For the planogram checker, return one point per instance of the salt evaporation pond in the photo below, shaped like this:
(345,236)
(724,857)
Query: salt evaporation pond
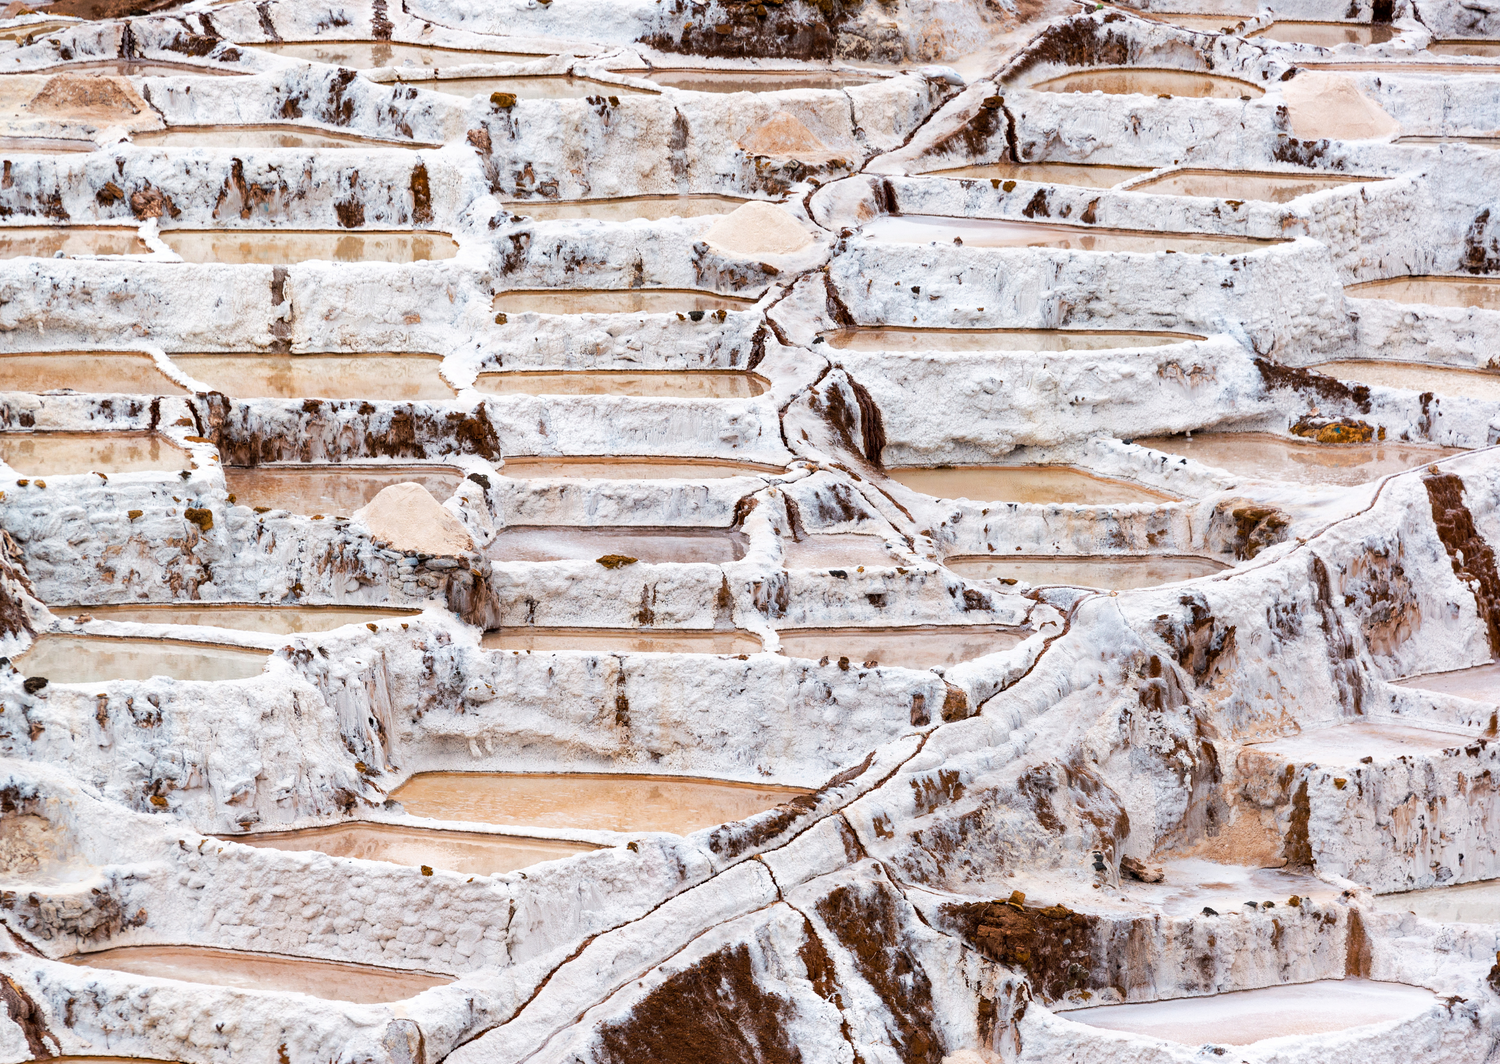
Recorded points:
(1433,291)
(330,490)
(660,384)
(592,802)
(123,372)
(619,546)
(1490,143)
(98,659)
(1055,484)
(908,648)
(759,80)
(1243,185)
(1191,884)
(537,639)
(1480,683)
(241,137)
(138,68)
(1414,377)
(1086,175)
(322,376)
(1325,34)
(1116,82)
(618,301)
(1112,572)
(272,620)
(46,146)
(364,984)
(540,87)
(1248,1016)
(276,247)
(47,454)
(904,339)
(1298,461)
(45,241)
(1466,903)
(625,208)
(465,852)
(1347,744)
(1012,233)
(1192,21)
(552,467)
(1481,49)
(373,55)
(839,550)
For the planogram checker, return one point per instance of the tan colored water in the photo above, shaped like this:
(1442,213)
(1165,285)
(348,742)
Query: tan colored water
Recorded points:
(663,384)
(44,145)
(836,550)
(1085,175)
(1152,83)
(759,80)
(1347,744)
(146,69)
(1481,683)
(466,852)
(595,802)
(909,648)
(1440,380)
(1011,233)
(273,247)
(632,640)
(617,301)
(1490,143)
(258,137)
(1250,1016)
(1023,484)
(1482,292)
(1448,69)
(1242,185)
(524,88)
(1326,34)
(372,55)
(45,241)
(124,372)
(551,543)
(361,376)
(329,980)
(1260,454)
(330,490)
(1482,49)
(899,338)
(50,454)
(602,468)
(1110,572)
(1467,903)
(1201,23)
(273,620)
(626,208)
(96,659)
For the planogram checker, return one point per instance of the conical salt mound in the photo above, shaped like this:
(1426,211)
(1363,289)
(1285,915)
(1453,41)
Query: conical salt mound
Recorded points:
(784,134)
(407,517)
(1328,105)
(757,228)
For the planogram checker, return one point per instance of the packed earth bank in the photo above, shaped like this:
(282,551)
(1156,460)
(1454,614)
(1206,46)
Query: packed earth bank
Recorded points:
(603,388)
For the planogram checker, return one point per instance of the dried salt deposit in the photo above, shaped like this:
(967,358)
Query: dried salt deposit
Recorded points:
(919,532)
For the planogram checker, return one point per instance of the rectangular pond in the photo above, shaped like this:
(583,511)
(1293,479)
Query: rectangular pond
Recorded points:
(535,639)
(1084,175)
(1482,292)
(900,338)
(1149,82)
(1481,683)
(607,468)
(393,378)
(682,301)
(760,80)
(1016,233)
(98,659)
(1463,903)
(535,87)
(330,490)
(908,648)
(625,208)
(616,548)
(108,372)
(1044,484)
(1109,572)
(48,241)
(1348,744)
(465,852)
(277,247)
(251,136)
(1413,377)
(46,454)
(1297,461)
(1240,185)
(838,551)
(656,384)
(374,55)
(245,617)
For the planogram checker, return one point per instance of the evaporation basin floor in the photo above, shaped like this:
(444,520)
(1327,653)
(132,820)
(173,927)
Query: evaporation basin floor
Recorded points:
(1044,484)
(98,659)
(1264,456)
(466,852)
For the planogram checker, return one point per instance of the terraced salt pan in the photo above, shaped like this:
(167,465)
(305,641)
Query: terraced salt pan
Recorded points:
(1481,683)
(1297,461)
(899,338)
(840,550)
(603,467)
(909,648)
(1107,571)
(143,69)
(759,80)
(1490,143)
(1482,49)
(330,980)
(274,247)
(593,802)
(1466,903)
(1152,83)
(1081,174)
(1243,185)
(1433,291)
(1025,484)
(1325,34)
(272,620)
(1411,376)
(549,87)
(44,145)
(97,659)
(44,242)
(1189,21)
(1189,885)
(329,490)
(50,454)
(1009,233)
(322,376)
(242,137)
(372,55)
(617,301)
(1347,744)
(625,546)
(631,640)
(663,384)
(465,852)
(125,372)
(1250,1016)
(626,208)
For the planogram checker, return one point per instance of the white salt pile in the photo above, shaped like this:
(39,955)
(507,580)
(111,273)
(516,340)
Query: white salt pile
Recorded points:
(407,517)
(1330,105)
(758,228)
